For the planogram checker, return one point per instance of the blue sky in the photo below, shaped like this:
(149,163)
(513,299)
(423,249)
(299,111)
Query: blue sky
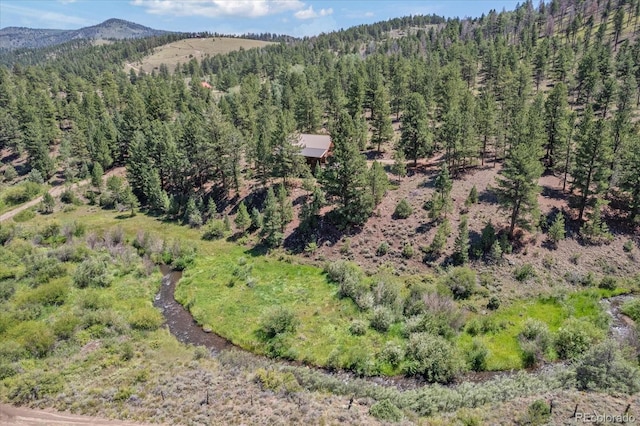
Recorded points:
(293,17)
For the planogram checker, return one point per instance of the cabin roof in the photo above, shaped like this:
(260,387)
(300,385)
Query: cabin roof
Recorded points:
(314,146)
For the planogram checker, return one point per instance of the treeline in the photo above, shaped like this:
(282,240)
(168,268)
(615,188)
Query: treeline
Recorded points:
(553,88)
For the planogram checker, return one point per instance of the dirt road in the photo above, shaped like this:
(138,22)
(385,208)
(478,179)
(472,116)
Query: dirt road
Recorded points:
(56,191)
(19,416)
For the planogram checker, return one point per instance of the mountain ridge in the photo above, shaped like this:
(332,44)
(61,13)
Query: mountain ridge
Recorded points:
(23,37)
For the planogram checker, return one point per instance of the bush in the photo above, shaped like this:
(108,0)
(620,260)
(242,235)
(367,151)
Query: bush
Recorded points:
(214,230)
(631,309)
(392,354)
(10,173)
(92,272)
(277,381)
(280,320)
(608,283)
(493,303)
(383,249)
(524,272)
(628,246)
(407,251)
(603,368)
(477,356)
(22,193)
(386,410)
(575,337)
(472,198)
(69,197)
(535,341)
(65,325)
(145,318)
(432,357)
(36,338)
(557,231)
(403,210)
(358,328)
(461,281)
(538,413)
(381,319)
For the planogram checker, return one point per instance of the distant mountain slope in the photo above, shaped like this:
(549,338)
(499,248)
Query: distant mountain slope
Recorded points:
(20,37)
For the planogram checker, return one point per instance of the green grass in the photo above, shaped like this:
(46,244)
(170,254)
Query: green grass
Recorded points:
(505,353)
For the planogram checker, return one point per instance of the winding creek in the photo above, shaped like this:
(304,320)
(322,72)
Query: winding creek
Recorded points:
(182,325)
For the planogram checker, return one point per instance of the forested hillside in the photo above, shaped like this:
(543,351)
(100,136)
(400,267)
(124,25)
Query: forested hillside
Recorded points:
(482,194)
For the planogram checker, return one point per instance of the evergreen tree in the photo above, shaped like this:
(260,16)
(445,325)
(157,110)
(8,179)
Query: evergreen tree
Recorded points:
(630,178)
(592,159)
(518,186)
(380,117)
(399,167)
(242,219)
(556,230)
(285,206)
(557,126)
(272,224)
(415,139)
(378,182)
(345,177)
(286,161)
(96,175)
(461,246)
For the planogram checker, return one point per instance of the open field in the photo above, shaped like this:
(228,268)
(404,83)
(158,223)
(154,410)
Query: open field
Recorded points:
(183,51)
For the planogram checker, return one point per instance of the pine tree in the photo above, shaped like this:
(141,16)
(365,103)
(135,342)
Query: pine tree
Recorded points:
(272,221)
(378,182)
(557,125)
(591,170)
(285,206)
(96,175)
(556,230)
(415,138)
(345,177)
(242,219)
(399,167)
(380,118)
(630,178)
(461,246)
(286,161)
(518,186)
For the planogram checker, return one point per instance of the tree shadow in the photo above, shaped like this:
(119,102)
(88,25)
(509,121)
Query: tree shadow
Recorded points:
(488,196)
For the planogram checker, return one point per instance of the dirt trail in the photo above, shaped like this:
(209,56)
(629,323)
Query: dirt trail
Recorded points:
(55,192)
(20,416)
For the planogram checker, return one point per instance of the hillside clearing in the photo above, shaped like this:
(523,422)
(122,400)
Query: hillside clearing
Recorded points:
(183,51)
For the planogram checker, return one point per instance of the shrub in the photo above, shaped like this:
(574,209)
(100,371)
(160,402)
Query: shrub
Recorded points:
(557,231)
(64,326)
(631,309)
(69,197)
(358,328)
(35,337)
(432,357)
(575,337)
(277,381)
(24,215)
(603,368)
(628,246)
(279,320)
(608,283)
(473,197)
(386,410)
(407,251)
(403,210)
(535,341)
(524,272)
(10,173)
(22,193)
(311,248)
(383,249)
(493,303)
(477,356)
(342,271)
(381,319)
(92,272)
(392,353)
(145,318)
(461,281)
(538,413)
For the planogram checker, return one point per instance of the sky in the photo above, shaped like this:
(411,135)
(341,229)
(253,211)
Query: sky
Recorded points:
(293,17)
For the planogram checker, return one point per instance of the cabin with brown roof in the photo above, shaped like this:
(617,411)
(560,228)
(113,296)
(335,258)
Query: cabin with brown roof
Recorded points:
(315,148)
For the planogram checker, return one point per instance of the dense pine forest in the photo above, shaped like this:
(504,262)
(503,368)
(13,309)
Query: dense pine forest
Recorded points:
(479,211)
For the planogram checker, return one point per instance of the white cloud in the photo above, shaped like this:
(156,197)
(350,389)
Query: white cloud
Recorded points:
(310,13)
(369,15)
(46,19)
(67,1)
(217,8)
(314,27)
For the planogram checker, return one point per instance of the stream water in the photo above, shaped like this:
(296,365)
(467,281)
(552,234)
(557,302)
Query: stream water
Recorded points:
(182,325)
